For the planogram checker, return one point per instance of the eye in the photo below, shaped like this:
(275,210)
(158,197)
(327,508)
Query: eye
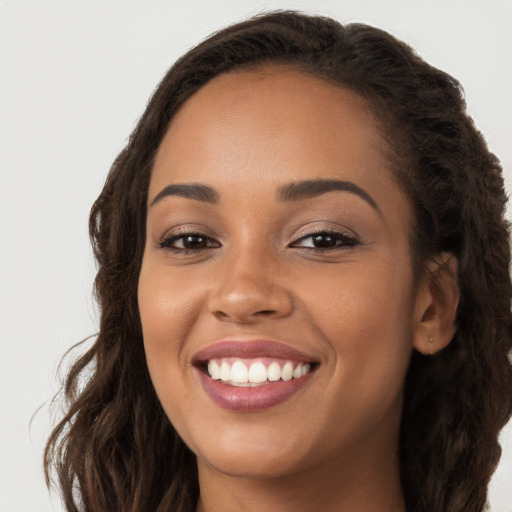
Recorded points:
(325,241)
(188,242)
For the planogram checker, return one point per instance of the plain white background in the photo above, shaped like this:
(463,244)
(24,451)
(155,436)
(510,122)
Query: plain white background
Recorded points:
(74,77)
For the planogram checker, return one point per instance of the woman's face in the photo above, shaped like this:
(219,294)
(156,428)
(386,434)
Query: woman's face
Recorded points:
(278,251)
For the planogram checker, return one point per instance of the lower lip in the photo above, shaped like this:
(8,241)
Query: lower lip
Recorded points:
(251,399)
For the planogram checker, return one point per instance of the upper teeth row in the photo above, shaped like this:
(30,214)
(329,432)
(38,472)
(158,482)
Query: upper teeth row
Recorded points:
(238,374)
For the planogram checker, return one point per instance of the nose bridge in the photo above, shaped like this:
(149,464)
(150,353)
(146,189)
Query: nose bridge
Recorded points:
(248,285)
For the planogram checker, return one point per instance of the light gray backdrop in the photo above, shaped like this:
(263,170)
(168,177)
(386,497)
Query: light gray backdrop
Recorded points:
(74,77)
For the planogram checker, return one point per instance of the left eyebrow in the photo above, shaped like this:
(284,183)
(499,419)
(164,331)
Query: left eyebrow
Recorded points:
(313,188)
(196,191)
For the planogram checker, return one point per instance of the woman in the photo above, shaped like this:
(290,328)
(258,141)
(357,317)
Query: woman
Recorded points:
(304,288)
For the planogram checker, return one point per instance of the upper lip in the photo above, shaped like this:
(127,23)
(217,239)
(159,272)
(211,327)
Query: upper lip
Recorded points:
(251,349)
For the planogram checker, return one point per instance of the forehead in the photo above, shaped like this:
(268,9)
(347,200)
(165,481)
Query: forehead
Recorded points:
(269,127)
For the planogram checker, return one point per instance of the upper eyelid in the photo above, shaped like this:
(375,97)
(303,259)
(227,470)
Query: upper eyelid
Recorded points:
(178,231)
(325,229)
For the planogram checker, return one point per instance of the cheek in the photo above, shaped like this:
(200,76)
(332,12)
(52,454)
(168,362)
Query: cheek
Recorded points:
(168,310)
(365,315)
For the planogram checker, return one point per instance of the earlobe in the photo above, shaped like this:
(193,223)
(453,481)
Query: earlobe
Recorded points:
(436,305)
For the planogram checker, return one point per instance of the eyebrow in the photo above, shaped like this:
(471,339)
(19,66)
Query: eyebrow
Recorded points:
(313,188)
(194,191)
(292,192)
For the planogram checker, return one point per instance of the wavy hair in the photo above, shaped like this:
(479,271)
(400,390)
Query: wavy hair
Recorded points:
(115,449)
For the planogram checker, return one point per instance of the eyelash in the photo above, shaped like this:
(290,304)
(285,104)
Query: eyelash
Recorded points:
(341,242)
(167,242)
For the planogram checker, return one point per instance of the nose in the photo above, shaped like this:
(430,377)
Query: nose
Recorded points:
(248,289)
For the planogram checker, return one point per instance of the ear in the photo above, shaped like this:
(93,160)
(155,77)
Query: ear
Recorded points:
(436,305)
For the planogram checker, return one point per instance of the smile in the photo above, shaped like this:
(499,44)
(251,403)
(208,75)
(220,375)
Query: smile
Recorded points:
(255,372)
(250,376)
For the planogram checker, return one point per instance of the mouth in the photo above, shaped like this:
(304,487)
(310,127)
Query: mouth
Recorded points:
(249,376)
(255,372)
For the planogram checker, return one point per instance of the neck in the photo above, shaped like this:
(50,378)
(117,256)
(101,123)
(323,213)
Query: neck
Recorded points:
(365,484)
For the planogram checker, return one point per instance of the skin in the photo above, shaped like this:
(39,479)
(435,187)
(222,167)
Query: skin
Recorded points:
(357,308)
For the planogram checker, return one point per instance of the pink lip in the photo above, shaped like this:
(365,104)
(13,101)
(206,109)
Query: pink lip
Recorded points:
(250,399)
(251,349)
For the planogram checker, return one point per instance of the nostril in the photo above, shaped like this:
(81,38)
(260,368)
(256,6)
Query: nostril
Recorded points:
(247,305)
(265,312)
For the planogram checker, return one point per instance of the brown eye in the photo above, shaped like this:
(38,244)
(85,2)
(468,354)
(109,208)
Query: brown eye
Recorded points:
(325,241)
(192,242)
(188,242)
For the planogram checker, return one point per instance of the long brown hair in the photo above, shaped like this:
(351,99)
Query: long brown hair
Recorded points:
(116,450)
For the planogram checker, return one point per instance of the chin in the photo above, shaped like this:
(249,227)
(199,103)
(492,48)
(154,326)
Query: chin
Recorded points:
(253,464)
(253,452)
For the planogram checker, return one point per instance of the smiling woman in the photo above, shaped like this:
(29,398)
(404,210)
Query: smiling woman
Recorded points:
(299,309)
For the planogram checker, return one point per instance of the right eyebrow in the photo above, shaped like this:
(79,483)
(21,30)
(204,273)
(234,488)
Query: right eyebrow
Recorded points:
(194,191)
(312,188)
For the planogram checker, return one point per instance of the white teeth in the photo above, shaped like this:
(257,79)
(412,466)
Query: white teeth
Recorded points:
(274,372)
(287,371)
(239,373)
(225,372)
(257,373)
(214,370)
